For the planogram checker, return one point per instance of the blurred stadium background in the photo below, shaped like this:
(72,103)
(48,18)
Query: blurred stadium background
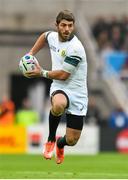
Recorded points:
(102,26)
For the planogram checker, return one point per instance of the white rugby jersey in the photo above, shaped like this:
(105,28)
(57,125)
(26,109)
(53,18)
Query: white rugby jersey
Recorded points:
(71,57)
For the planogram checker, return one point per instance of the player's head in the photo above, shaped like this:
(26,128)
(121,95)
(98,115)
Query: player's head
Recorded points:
(65,24)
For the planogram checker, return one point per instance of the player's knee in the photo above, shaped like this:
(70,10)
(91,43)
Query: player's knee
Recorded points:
(58,109)
(71,141)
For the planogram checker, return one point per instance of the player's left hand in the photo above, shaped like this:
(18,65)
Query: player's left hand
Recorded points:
(35,73)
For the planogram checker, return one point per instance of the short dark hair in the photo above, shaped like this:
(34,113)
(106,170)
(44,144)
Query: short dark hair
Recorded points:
(67,15)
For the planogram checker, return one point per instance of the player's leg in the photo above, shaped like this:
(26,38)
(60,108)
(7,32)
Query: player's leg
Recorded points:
(73,132)
(59,102)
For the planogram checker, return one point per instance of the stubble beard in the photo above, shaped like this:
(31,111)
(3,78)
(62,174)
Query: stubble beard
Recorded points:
(64,38)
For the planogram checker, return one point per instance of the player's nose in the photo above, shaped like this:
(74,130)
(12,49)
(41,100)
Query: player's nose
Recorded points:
(66,28)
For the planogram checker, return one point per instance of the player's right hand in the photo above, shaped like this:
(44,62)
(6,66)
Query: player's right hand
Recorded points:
(36,72)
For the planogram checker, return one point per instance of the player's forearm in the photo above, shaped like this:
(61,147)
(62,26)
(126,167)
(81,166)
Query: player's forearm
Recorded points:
(38,45)
(57,75)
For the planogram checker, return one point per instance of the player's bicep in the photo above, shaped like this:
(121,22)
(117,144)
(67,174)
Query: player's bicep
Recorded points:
(70,63)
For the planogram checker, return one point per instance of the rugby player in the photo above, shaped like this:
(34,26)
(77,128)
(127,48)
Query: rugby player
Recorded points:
(69,87)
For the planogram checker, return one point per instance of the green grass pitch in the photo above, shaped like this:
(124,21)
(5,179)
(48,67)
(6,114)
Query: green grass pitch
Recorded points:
(101,166)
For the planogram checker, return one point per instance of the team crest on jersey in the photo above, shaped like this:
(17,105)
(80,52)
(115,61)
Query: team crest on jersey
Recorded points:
(63,52)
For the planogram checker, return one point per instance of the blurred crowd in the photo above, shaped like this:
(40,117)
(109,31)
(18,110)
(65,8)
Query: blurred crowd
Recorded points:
(112,39)
(24,116)
(112,33)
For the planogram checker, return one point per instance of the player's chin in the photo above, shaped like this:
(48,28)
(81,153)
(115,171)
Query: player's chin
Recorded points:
(65,37)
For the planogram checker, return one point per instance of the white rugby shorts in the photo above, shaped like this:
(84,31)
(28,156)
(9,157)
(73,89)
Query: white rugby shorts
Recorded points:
(78,102)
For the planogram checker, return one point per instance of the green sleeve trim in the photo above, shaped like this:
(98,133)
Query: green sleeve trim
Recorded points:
(73,60)
(77,57)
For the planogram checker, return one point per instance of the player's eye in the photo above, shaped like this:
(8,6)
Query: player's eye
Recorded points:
(70,25)
(63,25)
